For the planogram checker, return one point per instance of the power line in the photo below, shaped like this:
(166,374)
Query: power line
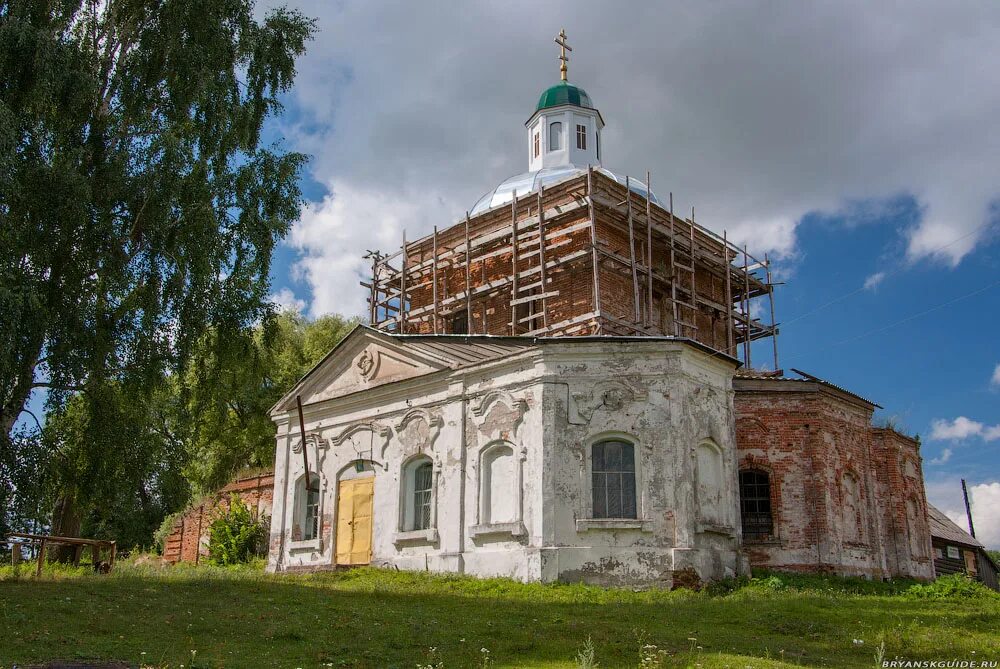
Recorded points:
(885,275)
(912,317)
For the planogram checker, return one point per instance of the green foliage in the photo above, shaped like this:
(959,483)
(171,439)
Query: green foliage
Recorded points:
(237,536)
(115,462)
(138,212)
(952,586)
(995,555)
(227,392)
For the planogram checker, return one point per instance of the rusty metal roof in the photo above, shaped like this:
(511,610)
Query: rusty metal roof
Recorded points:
(943,527)
(752,375)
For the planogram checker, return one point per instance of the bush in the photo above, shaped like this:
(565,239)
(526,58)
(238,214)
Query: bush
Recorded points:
(237,536)
(946,587)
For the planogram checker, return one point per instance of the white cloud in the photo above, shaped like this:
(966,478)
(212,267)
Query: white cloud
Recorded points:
(334,234)
(985,502)
(943,458)
(995,381)
(873,281)
(418,109)
(962,428)
(946,494)
(285,300)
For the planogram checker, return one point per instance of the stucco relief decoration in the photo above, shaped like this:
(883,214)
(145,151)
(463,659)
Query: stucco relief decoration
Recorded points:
(364,439)
(313,439)
(605,395)
(417,431)
(367,363)
(499,414)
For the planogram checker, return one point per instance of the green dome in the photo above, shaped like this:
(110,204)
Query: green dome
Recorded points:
(564,93)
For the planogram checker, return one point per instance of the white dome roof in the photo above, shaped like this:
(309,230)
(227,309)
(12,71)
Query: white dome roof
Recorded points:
(530,181)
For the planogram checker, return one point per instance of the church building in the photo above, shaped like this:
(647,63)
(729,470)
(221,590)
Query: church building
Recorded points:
(559,387)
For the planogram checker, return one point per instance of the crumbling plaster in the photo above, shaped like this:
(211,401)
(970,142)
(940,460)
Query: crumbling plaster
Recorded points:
(549,404)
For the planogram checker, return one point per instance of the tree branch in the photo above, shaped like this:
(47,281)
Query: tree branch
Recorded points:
(56,386)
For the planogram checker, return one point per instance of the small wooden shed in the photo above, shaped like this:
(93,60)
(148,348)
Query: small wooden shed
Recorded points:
(958,552)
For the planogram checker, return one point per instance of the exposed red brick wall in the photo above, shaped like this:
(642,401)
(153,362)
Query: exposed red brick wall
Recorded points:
(188,542)
(567,233)
(811,439)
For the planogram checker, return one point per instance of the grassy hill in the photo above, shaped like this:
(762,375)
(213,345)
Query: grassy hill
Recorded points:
(196,617)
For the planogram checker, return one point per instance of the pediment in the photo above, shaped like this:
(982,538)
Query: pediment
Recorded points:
(363,360)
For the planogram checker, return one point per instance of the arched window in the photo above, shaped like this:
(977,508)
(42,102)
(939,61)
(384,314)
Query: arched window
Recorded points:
(755,505)
(709,475)
(498,486)
(555,136)
(613,479)
(418,495)
(305,524)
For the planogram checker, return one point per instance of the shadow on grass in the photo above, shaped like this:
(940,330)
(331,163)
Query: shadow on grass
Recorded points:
(385,619)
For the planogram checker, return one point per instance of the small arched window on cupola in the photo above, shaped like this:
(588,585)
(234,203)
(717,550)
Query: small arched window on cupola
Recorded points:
(555,136)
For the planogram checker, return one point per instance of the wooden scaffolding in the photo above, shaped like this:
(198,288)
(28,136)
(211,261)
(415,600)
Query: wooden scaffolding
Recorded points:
(585,256)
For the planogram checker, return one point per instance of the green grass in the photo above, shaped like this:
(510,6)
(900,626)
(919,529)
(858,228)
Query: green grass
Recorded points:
(239,617)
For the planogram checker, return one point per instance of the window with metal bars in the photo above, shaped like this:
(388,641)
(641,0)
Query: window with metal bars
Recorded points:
(309,498)
(755,505)
(613,479)
(460,322)
(423,487)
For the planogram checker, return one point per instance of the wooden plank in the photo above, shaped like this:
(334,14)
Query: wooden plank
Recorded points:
(541,253)
(631,251)
(583,318)
(468,279)
(526,226)
(434,274)
(513,262)
(649,256)
(730,344)
(746,310)
(495,285)
(402,292)
(595,267)
(770,298)
(532,298)
(673,268)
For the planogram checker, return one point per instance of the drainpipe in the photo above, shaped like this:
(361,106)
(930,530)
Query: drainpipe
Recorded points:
(463,503)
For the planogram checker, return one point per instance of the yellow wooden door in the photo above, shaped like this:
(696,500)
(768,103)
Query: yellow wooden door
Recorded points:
(354,520)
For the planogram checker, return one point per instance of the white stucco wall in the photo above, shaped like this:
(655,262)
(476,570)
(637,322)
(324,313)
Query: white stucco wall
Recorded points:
(547,404)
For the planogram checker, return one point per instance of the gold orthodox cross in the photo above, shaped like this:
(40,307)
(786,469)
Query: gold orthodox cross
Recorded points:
(563,48)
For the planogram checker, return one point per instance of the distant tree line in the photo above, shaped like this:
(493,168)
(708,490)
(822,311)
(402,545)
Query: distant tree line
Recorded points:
(139,211)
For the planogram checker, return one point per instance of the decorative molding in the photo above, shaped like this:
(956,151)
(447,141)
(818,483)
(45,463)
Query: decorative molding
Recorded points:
(367,363)
(373,428)
(428,536)
(587,524)
(610,395)
(414,444)
(498,530)
(484,409)
(314,439)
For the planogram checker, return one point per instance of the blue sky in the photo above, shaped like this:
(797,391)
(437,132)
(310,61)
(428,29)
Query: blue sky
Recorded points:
(857,145)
